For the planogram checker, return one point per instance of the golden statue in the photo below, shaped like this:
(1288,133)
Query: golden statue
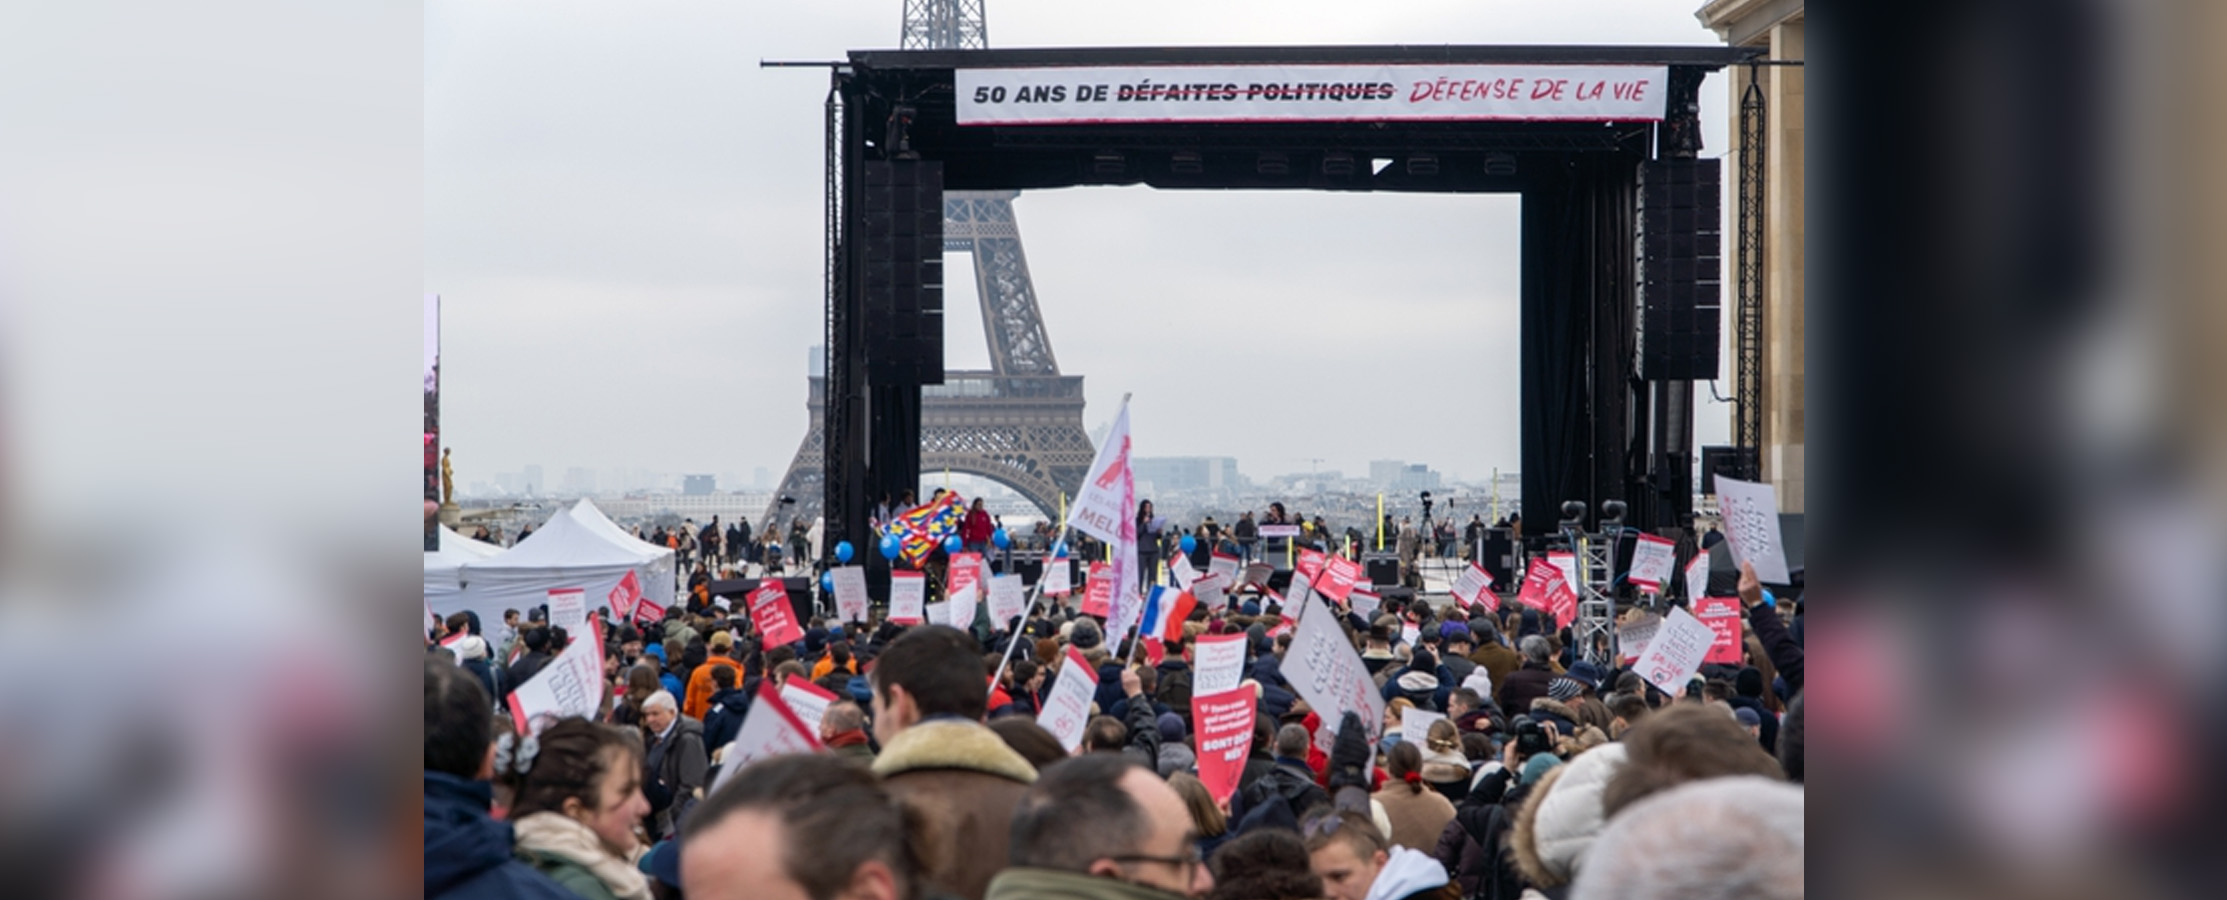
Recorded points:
(448,480)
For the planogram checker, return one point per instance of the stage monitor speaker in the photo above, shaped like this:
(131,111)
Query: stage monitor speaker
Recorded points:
(1499,558)
(1680,289)
(901,269)
(1743,463)
(1383,567)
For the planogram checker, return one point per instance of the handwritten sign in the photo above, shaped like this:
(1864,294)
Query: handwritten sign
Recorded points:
(1007,600)
(568,609)
(570,685)
(1058,580)
(1633,635)
(1325,669)
(1067,706)
(1676,652)
(1415,726)
(908,591)
(1751,526)
(1218,661)
(1697,577)
(850,593)
(1473,587)
(1652,559)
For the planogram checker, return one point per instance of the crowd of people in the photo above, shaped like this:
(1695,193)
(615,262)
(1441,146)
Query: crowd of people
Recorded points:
(1549,776)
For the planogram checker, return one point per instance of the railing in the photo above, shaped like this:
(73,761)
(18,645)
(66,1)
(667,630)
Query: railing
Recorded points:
(984,386)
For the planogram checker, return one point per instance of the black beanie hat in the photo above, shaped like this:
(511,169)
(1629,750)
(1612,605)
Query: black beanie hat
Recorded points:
(1749,683)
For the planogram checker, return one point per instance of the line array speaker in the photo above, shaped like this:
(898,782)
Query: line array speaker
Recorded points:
(1681,209)
(901,225)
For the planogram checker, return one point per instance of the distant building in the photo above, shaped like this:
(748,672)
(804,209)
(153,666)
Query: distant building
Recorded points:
(1394,475)
(1187,473)
(533,483)
(698,485)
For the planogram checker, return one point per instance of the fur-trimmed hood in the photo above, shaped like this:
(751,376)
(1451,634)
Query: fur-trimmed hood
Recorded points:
(952,744)
(1562,816)
(1554,707)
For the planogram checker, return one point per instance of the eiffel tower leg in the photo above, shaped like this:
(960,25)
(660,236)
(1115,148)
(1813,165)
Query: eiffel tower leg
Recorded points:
(804,481)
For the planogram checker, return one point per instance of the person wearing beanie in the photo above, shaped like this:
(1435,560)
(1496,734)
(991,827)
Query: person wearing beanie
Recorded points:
(1249,608)
(1538,766)
(1555,707)
(1175,755)
(1747,695)
(1085,634)
(697,702)
(1455,645)
(1419,682)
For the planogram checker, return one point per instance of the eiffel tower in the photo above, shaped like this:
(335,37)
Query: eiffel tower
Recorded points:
(1021,422)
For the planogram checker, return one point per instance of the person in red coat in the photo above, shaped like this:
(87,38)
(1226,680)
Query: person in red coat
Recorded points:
(975,531)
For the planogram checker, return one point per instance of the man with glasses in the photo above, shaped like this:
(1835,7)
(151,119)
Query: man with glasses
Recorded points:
(1099,827)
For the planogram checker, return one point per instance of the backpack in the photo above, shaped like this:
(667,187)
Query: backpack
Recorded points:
(1277,800)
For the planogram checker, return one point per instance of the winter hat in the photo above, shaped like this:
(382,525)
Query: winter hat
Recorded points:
(1454,631)
(1557,825)
(1747,716)
(1586,673)
(1066,628)
(1085,635)
(1422,661)
(1250,608)
(1749,683)
(1538,766)
(662,862)
(469,648)
(1563,688)
(1171,727)
(722,640)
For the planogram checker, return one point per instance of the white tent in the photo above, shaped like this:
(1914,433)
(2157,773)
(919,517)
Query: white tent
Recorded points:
(577,548)
(444,569)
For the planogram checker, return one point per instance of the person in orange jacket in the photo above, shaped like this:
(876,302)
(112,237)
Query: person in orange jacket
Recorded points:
(700,687)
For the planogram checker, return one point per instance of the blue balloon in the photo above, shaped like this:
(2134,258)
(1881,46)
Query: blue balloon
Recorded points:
(1190,543)
(890,546)
(827,582)
(951,544)
(843,552)
(1000,538)
(1059,548)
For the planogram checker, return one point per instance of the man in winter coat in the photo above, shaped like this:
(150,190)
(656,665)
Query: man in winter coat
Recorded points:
(537,655)
(1419,682)
(730,705)
(1099,828)
(697,704)
(467,852)
(1286,792)
(676,763)
(843,730)
(1496,658)
(938,756)
(1529,682)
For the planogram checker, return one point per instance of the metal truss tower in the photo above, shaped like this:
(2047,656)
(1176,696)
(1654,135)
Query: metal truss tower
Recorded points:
(1021,422)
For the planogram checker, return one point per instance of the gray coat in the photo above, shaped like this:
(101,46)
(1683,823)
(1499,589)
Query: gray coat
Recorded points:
(679,763)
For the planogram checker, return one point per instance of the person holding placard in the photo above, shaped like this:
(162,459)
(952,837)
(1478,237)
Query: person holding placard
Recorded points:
(937,754)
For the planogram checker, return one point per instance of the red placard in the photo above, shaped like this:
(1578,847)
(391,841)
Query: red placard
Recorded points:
(1339,575)
(623,597)
(1310,563)
(769,608)
(1222,724)
(1098,597)
(1545,590)
(1722,615)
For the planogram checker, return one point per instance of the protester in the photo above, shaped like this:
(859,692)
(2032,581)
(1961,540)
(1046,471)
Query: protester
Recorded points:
(1270,864)
(1648,851)
(1496,658)
(1207,818)
(1355,862)
(802,826)
(1445,769)
(1418,814)
(938,755)
(536,639)
(1174,755)
(730,707)
(1286,792)
(576,795)
(1030,740)
(1558,821)
(843,730)
(1096,827)
(468,854)
(1529,681)
(675,767)
(1684,743)
(697,703)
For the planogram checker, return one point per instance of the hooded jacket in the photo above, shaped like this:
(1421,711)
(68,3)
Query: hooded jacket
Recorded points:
(1419,687)
(728,709)
(1548,709)
(468,853)
(1558,822)
(966,781)
(1407,873)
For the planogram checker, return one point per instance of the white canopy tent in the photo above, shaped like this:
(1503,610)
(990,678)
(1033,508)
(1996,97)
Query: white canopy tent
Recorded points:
(444,569)
(577,548)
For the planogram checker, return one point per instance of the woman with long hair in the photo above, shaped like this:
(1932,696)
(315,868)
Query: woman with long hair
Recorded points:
(1418,815)
(576,800)
(1207,817)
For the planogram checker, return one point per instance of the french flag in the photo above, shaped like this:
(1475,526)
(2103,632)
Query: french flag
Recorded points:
(1165,611)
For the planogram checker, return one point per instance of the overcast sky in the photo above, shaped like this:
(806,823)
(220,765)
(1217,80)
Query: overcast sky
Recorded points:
(623,221)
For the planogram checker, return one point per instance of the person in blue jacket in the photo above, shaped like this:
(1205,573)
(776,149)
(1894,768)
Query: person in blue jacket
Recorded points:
(467,853)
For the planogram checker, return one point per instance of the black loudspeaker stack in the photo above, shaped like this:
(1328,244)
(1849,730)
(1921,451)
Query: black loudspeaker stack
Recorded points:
(901,214)
(1681,210)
